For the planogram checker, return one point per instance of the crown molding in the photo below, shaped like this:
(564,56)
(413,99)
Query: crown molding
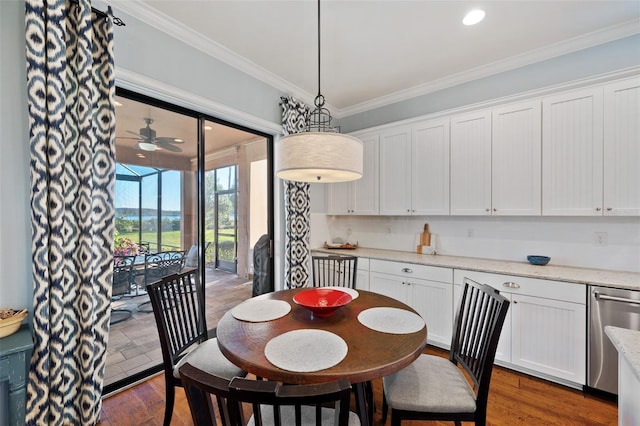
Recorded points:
(627,73)
(135,82)
(527,58)
(178,30)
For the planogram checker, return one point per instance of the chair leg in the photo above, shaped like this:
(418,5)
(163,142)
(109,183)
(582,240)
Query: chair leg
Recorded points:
(170,398)
(385,408)
(395,418)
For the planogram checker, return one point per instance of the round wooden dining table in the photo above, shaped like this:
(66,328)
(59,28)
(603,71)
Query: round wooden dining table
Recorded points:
(370,354)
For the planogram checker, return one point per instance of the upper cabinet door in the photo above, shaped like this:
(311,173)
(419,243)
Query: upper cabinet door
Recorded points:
(471,164)
(572,153)
(430,168)
(622,148)
(359,196)
(395,172)
(366,191)
(339,198)
(516,154)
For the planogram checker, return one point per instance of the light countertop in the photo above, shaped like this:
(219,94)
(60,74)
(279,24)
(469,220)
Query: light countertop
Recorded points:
(627,342)
(599,277)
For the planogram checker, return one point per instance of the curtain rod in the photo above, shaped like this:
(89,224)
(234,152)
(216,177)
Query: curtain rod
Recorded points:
(108,14)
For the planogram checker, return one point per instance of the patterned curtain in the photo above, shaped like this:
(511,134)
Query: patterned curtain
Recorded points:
(70,83)
(296,204)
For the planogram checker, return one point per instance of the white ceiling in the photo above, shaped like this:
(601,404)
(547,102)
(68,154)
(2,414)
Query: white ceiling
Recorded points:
(379,52)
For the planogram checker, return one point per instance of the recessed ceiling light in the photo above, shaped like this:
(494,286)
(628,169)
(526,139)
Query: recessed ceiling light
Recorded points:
(118,104)
(473,17)
(178,140)
(208,127)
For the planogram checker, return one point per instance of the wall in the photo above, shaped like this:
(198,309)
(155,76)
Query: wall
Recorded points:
(15,222)
(568,241)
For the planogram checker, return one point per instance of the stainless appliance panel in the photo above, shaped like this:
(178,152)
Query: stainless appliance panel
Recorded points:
(615,307)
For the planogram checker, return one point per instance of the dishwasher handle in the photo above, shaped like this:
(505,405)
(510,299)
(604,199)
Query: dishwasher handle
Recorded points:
(599,296)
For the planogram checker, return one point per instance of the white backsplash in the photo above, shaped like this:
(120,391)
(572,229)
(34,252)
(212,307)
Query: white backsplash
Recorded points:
(569,241)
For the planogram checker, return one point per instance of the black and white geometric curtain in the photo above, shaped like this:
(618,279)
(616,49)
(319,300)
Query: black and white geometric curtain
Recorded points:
(70,83)
(296,204)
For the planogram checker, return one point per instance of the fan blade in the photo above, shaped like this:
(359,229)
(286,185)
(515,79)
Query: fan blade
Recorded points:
(168,146)
(134,133)
(123,137)
(168,140)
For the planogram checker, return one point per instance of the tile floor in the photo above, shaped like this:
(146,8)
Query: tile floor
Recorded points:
(134,344)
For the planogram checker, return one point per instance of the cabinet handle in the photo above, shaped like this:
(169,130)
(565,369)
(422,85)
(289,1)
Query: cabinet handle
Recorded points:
(515,302)
(511,284)
(495,210)
(488,210)
(609,209)
(598,209)
(407,270)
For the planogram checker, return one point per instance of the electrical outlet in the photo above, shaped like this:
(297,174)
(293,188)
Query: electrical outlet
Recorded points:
(600,238)
(471,233)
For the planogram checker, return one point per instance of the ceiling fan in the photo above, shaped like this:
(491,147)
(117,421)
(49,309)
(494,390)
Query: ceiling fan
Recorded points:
(147,140)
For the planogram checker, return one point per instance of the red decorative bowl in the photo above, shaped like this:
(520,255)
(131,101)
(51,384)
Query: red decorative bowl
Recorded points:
(322,301)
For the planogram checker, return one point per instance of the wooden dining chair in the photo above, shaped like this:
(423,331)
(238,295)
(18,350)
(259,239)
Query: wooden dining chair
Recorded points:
(272,402)
(334,270)
(178,309)
(434,388)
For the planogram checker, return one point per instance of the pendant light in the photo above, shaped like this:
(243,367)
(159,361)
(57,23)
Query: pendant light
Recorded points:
(321,153)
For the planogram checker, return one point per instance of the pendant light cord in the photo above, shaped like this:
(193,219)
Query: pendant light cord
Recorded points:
(319,101)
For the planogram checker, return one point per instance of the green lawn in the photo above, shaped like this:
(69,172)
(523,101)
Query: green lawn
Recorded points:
(172,240)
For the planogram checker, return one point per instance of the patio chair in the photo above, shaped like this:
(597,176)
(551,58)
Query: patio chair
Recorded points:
(178,309)
(434,388)
(158,266)
(334,270)
(273,403)
(122,282)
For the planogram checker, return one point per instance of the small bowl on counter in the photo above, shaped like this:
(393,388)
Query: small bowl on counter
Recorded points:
(538,260)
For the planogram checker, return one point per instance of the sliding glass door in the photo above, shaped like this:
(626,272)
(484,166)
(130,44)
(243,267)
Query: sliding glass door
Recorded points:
(178,177)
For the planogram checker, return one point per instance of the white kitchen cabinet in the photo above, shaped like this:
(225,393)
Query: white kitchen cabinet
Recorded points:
(430,168)
(545,330)
(427,289)
(414,169)
(622,148)
(395,176)
(516,155)
(572,153)
(358,197)
(470,175)
(362,274)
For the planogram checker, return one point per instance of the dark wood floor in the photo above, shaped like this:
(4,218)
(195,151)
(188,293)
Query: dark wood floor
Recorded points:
(515,399)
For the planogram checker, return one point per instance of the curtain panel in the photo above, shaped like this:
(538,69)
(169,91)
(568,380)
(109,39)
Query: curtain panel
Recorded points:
(70,89)
(296,204)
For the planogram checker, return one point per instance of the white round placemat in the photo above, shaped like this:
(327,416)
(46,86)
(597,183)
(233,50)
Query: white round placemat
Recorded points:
(354,293)
(391,320)
(256,310)
(306,350)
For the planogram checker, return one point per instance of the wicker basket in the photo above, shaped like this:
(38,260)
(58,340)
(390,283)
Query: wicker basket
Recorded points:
(11,324)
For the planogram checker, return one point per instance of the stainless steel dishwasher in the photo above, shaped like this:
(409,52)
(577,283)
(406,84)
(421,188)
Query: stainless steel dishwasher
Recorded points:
(608,306)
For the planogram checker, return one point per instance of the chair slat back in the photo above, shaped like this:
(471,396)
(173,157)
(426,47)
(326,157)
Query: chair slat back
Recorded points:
(267,398)
(478,326)
(334,270)
(122,275)
(177,308)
